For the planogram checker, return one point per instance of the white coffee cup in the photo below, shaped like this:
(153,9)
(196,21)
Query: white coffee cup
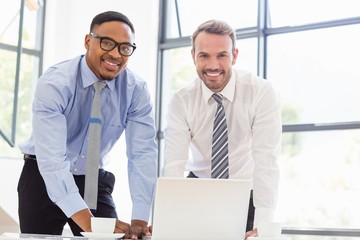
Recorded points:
(269,229)
(103,225)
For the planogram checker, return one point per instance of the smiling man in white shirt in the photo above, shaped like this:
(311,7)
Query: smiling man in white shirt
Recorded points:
(253,120)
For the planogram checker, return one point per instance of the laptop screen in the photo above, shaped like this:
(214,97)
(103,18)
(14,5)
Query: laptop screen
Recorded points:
(198,208)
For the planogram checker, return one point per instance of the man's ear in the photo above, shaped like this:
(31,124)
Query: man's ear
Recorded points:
(87,41)
(235,55)
(193,54)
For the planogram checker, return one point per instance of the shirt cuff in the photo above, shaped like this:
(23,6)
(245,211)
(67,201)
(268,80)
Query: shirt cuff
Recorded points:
(141,212)
(71,204)
(263,215)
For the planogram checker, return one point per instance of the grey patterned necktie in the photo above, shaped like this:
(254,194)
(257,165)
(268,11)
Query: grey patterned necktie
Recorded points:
(93,153)
(220,156)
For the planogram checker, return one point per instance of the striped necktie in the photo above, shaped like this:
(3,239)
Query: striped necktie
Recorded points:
(93,153)
(219,162)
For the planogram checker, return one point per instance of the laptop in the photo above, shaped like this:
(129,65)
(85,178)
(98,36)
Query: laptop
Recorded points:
(199,208)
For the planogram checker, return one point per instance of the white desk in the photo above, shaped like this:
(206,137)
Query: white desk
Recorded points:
(14,236)
(25,236)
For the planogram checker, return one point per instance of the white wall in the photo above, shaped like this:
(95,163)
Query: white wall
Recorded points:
(67,22)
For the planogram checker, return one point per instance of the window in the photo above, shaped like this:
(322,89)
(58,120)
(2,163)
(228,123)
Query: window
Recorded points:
(316,73)
(310,51)
(300,12)
(21,44)
(186,15)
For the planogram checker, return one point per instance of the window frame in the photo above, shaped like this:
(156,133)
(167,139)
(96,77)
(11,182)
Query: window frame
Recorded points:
(19,49)
(262,31)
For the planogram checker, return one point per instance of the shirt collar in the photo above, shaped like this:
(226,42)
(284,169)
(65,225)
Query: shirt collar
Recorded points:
(228,92)
(89,78)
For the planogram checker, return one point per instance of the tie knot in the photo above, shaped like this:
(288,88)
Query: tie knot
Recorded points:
(217,97)
(98,86)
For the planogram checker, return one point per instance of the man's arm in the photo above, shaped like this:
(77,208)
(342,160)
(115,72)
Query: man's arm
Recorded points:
(266,149)
(141,152)
(83,219)
(50,137)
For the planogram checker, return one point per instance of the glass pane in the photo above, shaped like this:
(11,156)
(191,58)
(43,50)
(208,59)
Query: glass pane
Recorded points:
(318,185)
(7,84)
(298,12)
(239,14)
(307,65)
(178,71)
(31,26)
(9,24)
(172,29)
(247,57)
(28,75)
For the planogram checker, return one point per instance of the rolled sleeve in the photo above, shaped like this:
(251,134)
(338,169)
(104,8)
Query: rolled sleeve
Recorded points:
(76,204)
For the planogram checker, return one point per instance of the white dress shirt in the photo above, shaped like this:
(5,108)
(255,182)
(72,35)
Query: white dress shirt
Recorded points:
(254,132)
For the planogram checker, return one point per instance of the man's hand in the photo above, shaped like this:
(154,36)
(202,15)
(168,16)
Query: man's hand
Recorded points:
(139,229)
(252,233)
(135,231)
(123,227)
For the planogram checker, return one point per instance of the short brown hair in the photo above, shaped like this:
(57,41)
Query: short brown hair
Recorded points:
(216,27)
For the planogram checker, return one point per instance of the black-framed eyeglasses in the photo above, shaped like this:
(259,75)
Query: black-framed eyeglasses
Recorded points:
(108,44)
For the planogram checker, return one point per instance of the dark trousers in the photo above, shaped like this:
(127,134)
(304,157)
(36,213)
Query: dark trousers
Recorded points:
(251,212)
(39,215)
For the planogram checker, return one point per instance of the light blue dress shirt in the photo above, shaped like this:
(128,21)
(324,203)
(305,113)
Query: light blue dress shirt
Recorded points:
(61,113)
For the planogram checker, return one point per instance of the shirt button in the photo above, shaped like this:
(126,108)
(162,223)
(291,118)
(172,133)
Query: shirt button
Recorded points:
(75,169)
(82,156)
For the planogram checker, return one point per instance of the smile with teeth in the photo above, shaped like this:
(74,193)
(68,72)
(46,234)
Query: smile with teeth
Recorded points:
(213,74)
(112,64)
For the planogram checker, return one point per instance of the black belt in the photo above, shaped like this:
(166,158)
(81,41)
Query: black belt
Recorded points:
(29,157)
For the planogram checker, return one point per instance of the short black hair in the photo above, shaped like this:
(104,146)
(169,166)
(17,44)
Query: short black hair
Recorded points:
(111,16)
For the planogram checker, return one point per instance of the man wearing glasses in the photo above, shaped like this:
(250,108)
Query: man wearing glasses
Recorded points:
(51,186)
